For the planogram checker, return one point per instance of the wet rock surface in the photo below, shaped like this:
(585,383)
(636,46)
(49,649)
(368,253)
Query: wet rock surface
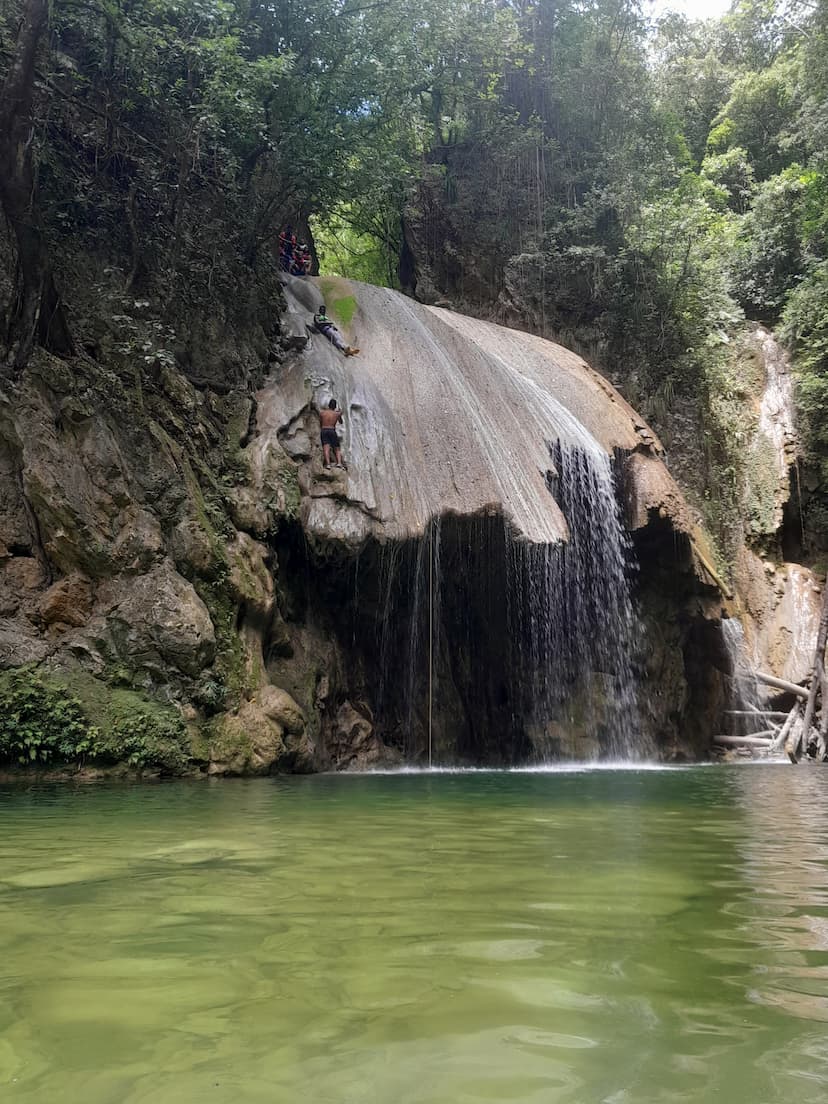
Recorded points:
(179,536)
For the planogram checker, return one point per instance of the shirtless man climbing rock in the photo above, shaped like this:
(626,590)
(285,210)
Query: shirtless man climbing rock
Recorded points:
(329,418)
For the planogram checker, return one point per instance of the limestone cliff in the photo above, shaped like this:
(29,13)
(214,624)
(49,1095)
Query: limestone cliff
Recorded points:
(169,535)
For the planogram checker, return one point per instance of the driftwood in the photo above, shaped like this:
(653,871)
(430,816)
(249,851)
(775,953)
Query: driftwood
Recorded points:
(772,714)
(758,739)
(711,571)
(802,738)
(784,731)
(782,684)
(823,721)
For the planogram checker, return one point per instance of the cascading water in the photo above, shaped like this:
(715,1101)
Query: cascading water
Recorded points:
(472,562)
(745,695)
(574,613)
(497,642)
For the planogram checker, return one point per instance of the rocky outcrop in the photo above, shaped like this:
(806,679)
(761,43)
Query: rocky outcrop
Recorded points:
(265,734)
(178,537)
(121,565)
(157,622)
(445,415)
(450,432)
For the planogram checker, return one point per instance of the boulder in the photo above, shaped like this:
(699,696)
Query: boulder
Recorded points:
(139,542)
(250,581)
(354,745)
(254,740)
(24,573)
(67,602)
(249,512)
(19,644)
(158,619)
(192,548)
(246,742)
(280,707)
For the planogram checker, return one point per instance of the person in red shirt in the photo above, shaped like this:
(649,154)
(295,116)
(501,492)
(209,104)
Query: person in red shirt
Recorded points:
(287,245)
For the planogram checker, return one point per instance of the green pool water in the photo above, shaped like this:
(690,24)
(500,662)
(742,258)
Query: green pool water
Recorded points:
(594,936)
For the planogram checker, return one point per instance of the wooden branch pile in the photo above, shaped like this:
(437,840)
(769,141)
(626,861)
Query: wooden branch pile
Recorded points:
(804,730)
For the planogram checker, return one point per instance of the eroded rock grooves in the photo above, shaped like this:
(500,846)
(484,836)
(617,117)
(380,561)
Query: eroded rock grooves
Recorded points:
(175,555)
(473,564)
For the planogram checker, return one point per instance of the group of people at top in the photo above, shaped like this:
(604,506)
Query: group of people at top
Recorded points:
(294,257)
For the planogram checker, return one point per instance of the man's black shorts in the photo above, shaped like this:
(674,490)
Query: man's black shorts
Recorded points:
(329,437)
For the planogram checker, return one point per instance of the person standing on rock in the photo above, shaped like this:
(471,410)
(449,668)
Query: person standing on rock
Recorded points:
(328,329)
(329,418)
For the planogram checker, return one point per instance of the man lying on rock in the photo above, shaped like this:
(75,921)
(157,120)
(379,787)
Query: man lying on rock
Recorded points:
(329,330)
(329,419)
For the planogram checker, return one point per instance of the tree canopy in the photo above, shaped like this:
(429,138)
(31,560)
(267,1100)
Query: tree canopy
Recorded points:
(633,188)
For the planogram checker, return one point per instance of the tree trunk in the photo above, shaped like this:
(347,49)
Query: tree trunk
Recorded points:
(782,684)
(817,670)
(37,314)
(758,740)
(787,727)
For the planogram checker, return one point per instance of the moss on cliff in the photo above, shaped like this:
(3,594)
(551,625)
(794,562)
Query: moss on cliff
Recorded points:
(49,719)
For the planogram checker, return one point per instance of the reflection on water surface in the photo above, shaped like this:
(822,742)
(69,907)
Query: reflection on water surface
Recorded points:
(628,937)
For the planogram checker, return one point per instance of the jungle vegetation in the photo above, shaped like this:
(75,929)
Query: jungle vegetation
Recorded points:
(635,188)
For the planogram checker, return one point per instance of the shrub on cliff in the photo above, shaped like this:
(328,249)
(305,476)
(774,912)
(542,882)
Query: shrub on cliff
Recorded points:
(41,724)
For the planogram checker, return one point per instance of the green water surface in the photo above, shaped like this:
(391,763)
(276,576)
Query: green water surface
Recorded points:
(602,936)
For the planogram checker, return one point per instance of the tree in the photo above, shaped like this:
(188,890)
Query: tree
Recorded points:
(37,313)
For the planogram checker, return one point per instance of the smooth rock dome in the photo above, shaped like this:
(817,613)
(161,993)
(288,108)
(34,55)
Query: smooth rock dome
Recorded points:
(446,415)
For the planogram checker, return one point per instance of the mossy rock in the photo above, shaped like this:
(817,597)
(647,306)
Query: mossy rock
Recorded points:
(244,743)
(60,717)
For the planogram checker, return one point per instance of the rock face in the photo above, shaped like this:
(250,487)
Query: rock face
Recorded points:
(164,532)
(446,415)
(419,561)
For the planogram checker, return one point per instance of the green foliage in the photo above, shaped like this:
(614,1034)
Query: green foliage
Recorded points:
(146,740)
(42,724)
(45,723)
(768,256)
(133,730)
(760,117)
(806,327)
(732,178)
(627,188)
(344,251)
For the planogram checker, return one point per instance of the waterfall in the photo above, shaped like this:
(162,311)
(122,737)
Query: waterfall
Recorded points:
(516,647)
(491,618)
(776,412)
(572,620)
(774,508)
(745,694)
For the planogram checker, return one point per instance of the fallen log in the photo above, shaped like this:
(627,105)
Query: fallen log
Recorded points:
(782,684)
(782,736)
(823,720)
(774,714)
(711,571)
(759,739)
